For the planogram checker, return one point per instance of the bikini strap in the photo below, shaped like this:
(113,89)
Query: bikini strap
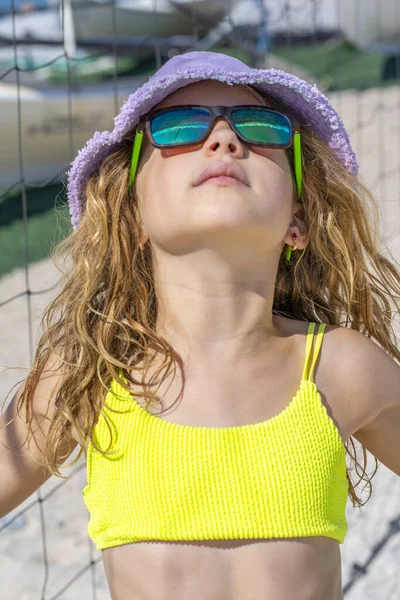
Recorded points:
(310,338)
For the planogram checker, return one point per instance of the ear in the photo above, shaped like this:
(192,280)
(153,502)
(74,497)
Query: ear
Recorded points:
(298,227)
(143,237)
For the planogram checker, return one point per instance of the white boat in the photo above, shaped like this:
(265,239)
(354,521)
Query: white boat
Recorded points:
(46,123)
(139,18)
(93,19)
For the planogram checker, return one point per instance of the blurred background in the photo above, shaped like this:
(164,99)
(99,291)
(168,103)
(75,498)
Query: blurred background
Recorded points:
(66,68)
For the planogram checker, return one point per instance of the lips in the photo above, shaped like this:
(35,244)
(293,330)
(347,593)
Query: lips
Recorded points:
(218,168)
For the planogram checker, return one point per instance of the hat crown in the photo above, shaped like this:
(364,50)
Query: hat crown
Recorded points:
(204,60)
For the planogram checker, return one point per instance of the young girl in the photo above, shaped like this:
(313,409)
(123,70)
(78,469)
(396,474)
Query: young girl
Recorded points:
(219,228)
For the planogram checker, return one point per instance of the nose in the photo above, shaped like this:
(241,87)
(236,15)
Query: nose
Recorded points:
(222,135)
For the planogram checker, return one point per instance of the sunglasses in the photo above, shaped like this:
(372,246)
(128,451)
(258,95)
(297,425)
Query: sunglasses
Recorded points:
(185,125)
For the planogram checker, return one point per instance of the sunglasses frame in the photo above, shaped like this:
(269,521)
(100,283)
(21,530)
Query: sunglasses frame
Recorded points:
(144,125)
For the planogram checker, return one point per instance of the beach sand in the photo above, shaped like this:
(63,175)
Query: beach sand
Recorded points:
(53,532)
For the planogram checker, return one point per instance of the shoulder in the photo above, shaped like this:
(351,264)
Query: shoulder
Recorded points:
(346,372)
(363,374)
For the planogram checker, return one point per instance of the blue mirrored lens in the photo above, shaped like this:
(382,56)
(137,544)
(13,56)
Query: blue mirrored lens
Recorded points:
(180,126)
(262,126)
(185,126)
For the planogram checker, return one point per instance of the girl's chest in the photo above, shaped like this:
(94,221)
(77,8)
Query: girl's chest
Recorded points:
(236,397)
(229,396)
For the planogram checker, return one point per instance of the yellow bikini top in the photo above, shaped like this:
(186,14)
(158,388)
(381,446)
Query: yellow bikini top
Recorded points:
(282,478)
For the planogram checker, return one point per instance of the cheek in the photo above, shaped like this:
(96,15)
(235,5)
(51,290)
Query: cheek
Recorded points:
(276,178)
(275,187)
(172,174)
(278,157)
(159,185)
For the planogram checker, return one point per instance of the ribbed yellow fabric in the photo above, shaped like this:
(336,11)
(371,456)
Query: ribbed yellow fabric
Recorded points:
(281,478)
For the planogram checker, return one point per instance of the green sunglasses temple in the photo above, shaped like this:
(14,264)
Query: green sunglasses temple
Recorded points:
(297,159)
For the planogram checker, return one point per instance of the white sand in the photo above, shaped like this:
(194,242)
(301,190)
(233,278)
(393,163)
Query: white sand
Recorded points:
(68,548)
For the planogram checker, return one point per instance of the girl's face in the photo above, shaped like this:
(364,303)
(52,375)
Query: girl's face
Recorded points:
(179,217)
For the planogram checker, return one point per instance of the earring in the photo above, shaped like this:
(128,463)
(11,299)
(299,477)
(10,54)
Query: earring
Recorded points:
(289,249)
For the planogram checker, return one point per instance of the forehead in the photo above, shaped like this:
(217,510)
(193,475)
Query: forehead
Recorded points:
(210,92)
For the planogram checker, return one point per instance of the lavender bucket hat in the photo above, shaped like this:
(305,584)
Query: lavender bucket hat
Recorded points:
(307,103)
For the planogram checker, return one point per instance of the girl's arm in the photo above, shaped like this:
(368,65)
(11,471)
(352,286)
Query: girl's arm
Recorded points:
(20,475)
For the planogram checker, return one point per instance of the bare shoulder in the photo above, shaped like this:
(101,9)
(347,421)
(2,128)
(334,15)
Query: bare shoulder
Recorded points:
(351,361)
(370,374)
(340,374)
